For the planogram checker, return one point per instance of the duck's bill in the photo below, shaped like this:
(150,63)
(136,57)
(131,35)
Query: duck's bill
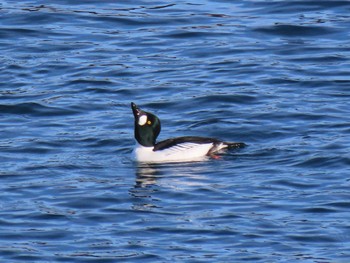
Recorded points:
(136,110)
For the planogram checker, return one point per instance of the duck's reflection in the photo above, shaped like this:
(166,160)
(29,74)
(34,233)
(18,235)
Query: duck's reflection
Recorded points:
(154,183)
(178,175)
(145,187)
(146,175)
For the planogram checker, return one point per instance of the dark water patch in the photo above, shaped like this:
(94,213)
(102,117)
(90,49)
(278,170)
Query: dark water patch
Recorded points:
(318,210)
(47,216)
(320,162)
(333,146)
(36,234)
(225,98)
(28,149)
(294,116)
(296,30)
(101,143)
(194,34)
(18,33)
(331,58)
(312,238)
(124,21)
(35,109)
(91,83)
(104,90)
(288,81)
(295,184)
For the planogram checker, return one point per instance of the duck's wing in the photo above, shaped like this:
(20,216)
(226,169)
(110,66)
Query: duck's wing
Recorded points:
(184,142)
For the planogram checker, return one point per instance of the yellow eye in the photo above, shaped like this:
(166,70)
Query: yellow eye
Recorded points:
(149,122)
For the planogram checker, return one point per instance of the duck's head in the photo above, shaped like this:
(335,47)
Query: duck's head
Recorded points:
(147,126)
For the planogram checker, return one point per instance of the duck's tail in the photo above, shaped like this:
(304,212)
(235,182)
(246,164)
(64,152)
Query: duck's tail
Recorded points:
(235,145)
(218,146)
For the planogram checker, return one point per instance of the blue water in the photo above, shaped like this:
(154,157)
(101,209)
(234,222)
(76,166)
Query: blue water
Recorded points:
(272,74)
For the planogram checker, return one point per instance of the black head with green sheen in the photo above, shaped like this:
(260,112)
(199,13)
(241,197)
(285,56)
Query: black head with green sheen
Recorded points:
(147,126)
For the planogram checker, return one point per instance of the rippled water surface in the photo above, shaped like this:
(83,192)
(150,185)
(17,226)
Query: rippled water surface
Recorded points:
(273,74)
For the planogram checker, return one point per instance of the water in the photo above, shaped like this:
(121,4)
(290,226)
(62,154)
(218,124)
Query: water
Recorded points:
(272,74)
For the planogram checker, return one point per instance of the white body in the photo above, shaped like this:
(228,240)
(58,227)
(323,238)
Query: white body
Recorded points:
(179,153)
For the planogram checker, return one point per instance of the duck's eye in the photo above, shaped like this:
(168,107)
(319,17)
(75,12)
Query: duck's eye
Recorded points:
(149,122)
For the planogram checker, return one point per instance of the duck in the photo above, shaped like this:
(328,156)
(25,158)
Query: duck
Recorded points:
(179,149)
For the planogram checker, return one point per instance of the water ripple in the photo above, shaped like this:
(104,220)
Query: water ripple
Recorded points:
(271,74)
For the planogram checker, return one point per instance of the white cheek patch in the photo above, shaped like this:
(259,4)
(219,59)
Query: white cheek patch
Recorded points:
(142,120)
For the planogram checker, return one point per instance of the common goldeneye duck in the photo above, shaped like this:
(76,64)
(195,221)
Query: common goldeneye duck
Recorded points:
(180,149)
